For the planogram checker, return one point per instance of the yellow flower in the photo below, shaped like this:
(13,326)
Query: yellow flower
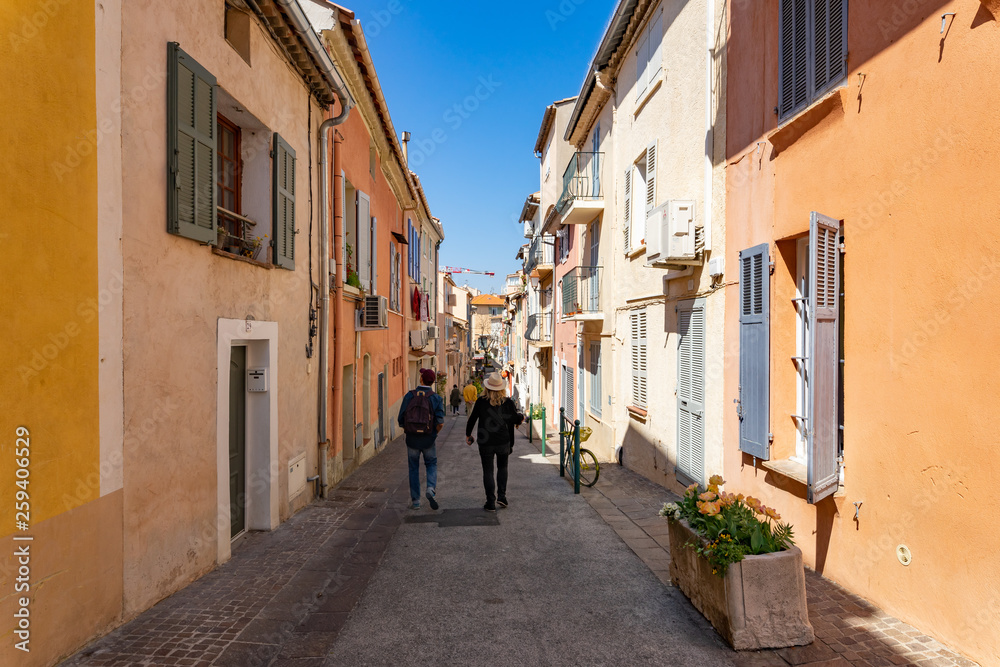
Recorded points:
(708,496)
(771,513)
(709,509)
(716,480)
(713,488)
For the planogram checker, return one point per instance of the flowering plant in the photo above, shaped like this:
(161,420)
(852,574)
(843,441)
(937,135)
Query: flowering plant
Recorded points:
(732,526)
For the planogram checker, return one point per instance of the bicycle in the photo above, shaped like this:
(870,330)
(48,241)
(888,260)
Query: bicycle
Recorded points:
(590,470)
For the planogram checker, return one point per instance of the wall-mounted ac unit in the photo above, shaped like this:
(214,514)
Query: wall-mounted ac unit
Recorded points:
(418,339)
(432,332)
(375,313)
(670,234)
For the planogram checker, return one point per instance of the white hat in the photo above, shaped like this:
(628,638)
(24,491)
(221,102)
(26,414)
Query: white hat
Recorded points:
(494,383)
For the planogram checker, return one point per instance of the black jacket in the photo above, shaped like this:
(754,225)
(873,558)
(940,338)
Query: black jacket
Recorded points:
(496,424)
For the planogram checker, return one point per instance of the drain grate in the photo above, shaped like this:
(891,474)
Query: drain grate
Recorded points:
(457,518)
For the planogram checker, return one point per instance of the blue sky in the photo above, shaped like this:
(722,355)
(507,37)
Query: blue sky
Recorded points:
(470,80)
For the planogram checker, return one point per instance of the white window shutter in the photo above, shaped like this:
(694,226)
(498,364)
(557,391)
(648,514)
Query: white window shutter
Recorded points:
(691,392)
(655,47)
(626,226)
(362,254)
(650,188)
(374,257)
(642,66)
(639,359)
(823,358)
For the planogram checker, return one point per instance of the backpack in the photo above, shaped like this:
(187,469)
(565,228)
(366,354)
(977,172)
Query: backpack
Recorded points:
(418,418)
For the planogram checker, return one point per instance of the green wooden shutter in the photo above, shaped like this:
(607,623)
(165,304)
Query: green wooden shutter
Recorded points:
(191,147)
(823,362)
(283,198)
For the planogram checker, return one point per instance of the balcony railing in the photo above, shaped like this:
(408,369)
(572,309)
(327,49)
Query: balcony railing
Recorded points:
(539,253)
(538,328)
(581,291)
(581,180)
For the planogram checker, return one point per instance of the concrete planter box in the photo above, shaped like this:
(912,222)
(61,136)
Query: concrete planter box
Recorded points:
(760,603)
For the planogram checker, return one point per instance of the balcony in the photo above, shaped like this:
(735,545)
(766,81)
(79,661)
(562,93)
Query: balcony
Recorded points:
(538,330)
(582,199)
(541,256)
(581,294)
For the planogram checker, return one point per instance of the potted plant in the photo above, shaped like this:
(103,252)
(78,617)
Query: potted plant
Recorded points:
(737,563)
(352,276)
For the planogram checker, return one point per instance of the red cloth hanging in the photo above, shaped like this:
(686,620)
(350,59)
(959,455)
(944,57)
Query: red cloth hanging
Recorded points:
(415,302)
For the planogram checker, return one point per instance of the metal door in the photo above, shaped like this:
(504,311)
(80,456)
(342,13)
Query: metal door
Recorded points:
(237,441)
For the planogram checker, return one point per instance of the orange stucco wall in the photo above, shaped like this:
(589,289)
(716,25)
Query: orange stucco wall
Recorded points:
(906,156)
(383,346)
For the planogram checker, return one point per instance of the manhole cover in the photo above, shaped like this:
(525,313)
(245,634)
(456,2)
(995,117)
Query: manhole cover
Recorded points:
(457,518)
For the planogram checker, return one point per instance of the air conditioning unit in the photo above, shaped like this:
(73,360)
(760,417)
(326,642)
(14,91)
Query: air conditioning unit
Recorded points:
(418,339)
(375,313)
(432,332)
(670,234)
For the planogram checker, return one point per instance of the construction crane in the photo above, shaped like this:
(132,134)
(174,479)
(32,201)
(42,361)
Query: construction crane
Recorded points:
(458,269)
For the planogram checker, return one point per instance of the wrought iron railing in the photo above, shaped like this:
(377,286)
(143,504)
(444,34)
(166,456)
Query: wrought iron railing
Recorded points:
(582,179)
(581,291)
(538,328)
(539,253)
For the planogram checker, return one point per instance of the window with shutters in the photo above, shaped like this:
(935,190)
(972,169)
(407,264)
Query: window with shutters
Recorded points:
(228,180)
(595,378)
(812,51)
(640,187)
(395,283)
(637,322)
(691,391)
(649,57)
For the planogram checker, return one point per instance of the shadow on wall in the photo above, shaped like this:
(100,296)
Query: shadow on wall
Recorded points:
(649,458)
(780,485)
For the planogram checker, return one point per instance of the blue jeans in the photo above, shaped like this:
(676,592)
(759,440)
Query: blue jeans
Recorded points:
(430,461)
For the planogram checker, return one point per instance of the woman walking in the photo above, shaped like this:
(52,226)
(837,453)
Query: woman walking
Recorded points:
(497,416)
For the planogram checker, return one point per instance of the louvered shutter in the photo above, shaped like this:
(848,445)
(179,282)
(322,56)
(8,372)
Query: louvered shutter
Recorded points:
(191,148)
(650,190)
(829,43)
(755,351)
(362,254)
(374,258)
(655,47)
(627,224)
(283,199)
(569,404)
(343,226)
(639,359)
(793,58)
(823,363)
(691,392)
(642,66)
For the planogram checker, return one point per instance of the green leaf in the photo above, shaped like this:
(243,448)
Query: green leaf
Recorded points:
(757,540)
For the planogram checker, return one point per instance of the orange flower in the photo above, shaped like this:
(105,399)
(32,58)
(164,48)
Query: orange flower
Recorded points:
(716,480)
(726,499)
(709,509)
(771,513)
(708,496)
(691,489)
(753,504)
(713,488)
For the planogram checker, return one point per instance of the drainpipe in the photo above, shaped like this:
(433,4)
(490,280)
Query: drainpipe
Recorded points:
(709,128)
(324,279)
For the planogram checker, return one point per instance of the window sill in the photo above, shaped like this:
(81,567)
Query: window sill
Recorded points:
(241,258)
(645,97)
(632,254)
(637,412)
(595,415)
(790,130)
(352,293)
(788,468)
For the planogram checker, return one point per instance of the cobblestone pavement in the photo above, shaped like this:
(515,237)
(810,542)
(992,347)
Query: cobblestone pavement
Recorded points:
(286,596)
(849,630)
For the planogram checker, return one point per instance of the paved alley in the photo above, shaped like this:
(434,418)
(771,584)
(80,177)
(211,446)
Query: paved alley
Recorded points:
(552,580)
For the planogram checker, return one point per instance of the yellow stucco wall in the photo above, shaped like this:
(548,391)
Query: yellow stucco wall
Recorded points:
(48,233)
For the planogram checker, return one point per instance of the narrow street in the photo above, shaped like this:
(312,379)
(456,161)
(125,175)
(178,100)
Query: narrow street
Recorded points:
(554,579)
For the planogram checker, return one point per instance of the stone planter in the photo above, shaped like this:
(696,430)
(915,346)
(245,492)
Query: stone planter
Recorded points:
(760,603)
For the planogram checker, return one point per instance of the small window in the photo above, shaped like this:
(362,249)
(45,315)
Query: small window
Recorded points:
(237,30)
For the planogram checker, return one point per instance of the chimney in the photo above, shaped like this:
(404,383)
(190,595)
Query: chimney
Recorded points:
(406,141)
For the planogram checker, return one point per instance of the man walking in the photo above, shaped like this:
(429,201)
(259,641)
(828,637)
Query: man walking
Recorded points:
(470,394)
(455,399)
(421,415)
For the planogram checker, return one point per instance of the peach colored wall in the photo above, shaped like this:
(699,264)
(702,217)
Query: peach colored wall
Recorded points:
(386,345)
(176,291)
(908,161)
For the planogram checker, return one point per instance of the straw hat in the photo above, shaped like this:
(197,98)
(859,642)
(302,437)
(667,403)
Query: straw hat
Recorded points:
(494,383)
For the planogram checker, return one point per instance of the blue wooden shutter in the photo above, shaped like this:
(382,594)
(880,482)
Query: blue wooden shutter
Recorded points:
(755,351)
(793,57)
(191,148)
(829,41)
(283,199)
(823,362)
